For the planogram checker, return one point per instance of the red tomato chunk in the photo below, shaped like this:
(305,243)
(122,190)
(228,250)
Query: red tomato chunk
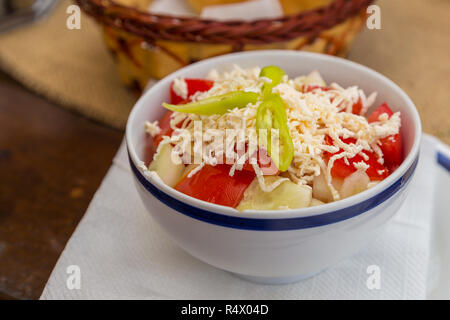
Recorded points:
(391,146)
(341,169)
(193,86)
(215,185)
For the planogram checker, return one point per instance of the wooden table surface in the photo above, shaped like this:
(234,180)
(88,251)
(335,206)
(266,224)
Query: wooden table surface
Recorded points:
(51,163)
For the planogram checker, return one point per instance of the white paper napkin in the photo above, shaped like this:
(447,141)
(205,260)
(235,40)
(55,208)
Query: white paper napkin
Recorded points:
(122,253)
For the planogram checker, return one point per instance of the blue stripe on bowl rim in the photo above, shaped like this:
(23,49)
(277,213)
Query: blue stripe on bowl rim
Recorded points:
(273,224)
(443,160)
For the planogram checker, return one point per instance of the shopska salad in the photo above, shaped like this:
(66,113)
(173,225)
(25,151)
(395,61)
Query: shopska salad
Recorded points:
(255,139)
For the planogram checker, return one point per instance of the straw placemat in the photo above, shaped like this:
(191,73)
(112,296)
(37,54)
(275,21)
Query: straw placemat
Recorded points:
(413,50)
(73,67)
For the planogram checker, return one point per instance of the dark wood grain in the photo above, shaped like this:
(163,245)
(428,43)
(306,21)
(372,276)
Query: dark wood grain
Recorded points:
(51,163)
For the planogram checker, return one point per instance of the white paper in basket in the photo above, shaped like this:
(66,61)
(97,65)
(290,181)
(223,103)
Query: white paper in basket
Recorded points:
(248,10)
(123,253)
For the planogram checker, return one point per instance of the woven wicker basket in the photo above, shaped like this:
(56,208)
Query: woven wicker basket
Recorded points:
(151,46)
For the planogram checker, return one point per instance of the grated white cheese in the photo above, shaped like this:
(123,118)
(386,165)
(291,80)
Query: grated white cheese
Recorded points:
(311,117)
(237,79)
(152,128)
(180,88)
(362,166)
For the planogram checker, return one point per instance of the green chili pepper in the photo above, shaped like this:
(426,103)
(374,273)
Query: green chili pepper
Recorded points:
(217,104)
(273,73)
(271,114)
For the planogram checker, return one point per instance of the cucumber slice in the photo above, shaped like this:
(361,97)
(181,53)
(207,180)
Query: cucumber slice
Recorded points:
(168,170)
(314,78)
(315,202)
(354,184)
(287,195)
(321,191)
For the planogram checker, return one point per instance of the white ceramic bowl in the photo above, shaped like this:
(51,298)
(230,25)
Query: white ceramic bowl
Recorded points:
(276,246)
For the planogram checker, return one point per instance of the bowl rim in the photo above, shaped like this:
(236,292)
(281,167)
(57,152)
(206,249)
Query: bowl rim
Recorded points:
(408,163)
